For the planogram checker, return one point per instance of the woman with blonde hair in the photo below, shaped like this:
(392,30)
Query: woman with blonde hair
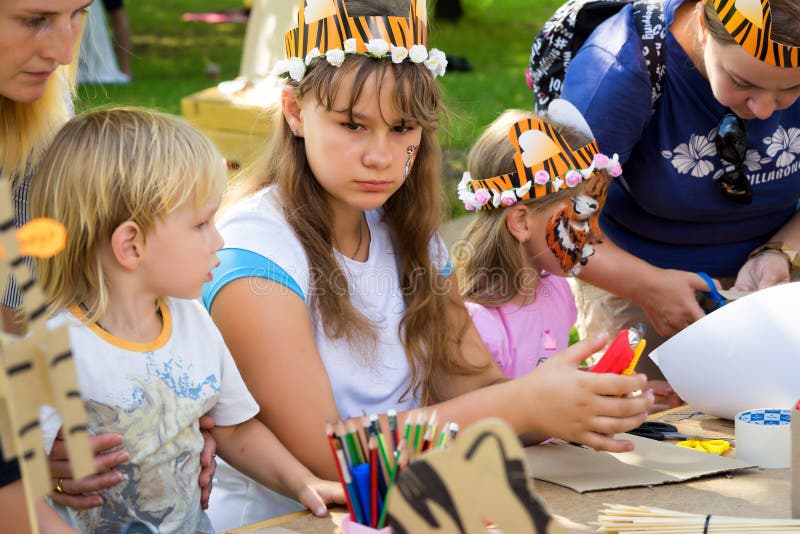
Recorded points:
(39,42)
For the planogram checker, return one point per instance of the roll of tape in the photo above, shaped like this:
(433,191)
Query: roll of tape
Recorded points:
(764,437)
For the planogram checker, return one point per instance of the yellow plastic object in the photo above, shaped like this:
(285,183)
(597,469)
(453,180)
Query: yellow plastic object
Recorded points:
(637,352)
(42,238)
(713,446)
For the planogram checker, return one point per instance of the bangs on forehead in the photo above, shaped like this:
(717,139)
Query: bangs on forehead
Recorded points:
(415,95)
(199,176)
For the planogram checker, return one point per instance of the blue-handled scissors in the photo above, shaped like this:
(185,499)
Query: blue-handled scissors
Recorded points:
(716,301)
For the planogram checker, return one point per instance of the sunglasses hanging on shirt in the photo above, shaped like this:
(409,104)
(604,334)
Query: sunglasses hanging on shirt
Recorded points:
(731,142)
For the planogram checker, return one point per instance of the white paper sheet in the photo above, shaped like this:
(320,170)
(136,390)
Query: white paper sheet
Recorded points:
(742,356)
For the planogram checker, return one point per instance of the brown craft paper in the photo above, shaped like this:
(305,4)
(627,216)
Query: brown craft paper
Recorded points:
(651,463)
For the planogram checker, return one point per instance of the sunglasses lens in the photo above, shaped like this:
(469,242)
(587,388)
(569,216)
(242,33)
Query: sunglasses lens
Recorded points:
(731,139)
(731,143)
(736,186)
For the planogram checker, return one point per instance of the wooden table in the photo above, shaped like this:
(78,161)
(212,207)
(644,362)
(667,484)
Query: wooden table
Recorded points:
(746,493)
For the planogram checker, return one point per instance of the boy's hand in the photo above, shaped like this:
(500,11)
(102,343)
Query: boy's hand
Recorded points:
(589,408)
(316,494)
(208,463)
(78,493)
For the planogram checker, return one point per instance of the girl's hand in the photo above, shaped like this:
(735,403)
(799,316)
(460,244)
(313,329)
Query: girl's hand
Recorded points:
(315,494)
(670,300)
(761,271)
(208,463)
(581,406)
(77,493)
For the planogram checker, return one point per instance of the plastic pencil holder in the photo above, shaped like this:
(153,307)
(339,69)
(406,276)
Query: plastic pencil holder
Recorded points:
(351,527)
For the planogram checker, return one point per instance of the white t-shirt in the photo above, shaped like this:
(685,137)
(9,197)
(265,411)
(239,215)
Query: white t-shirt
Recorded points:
(256,228)
(153,395)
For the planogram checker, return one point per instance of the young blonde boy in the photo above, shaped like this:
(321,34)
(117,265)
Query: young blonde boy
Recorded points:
(137,191)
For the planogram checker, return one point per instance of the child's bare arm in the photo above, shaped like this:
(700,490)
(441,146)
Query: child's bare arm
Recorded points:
(254,450)
(558,399)
(280,365)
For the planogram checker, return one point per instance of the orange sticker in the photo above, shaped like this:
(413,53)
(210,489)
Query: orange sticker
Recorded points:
(42,238)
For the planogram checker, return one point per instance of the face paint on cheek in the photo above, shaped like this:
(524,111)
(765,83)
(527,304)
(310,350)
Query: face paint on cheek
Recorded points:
(568,233)
(411,153)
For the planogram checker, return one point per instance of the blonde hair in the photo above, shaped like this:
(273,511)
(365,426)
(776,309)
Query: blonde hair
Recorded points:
(111,166)
(413,215)
(26,128)
(490,263)
(785,22)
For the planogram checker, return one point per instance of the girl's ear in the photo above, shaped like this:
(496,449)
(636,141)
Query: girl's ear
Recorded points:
(517,222)
(290,104)
(127,245)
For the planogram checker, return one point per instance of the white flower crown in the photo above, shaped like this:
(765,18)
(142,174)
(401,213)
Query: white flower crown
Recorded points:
(476,199)
(435,60)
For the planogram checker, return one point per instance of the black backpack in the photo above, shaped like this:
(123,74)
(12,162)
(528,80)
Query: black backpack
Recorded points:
(565,32)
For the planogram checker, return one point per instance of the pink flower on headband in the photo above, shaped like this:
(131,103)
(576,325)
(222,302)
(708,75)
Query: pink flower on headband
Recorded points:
(573,178)
(508,198)
(615,170)
(601,160)
(482,196)
(541,177)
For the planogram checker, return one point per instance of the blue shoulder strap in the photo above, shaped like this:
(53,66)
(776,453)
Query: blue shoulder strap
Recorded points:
(238,263)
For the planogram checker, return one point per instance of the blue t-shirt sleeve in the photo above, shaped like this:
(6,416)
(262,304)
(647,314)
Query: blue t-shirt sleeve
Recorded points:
(238,263)
(447,270)
(608,82)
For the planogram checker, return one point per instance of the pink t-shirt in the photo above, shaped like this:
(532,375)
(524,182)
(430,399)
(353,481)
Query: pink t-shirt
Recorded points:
(521,337)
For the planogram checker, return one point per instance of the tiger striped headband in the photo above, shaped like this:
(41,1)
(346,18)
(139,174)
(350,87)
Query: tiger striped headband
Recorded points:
(749,22)
(544,163)
(324,30)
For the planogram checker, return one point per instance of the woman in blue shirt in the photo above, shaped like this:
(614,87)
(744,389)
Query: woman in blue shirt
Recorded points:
(681,206)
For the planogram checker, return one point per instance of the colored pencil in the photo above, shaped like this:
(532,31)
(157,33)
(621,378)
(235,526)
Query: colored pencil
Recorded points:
(401,458)
(395,433)
(335,444)
(355,441)
(367,466)
(374,468)
(443,435)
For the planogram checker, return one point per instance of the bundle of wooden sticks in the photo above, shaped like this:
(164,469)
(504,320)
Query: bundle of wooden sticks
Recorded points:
(617,518)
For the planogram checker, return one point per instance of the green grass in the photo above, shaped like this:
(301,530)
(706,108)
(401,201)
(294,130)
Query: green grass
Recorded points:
(169,59)
(495,35)
(170,55)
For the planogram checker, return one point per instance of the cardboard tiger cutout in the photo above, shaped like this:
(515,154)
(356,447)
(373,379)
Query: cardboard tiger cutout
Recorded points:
(38,368)
(481,479)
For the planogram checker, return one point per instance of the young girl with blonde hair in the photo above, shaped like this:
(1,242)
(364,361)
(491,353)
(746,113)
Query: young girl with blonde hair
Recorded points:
(525,237)
(137,192)
(333,292)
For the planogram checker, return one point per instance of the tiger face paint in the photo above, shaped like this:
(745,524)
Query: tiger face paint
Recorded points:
(574,228)
(411,156)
